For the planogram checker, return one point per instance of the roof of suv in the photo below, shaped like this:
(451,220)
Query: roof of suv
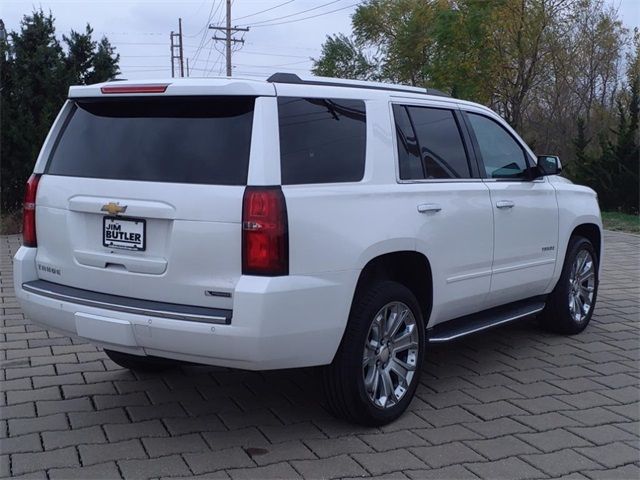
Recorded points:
(286,84)
(243,86)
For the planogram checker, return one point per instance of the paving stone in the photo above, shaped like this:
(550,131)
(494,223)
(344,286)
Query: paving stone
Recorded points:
(547,421)
(22,396)
(276,471)
(21,444)
(79,436)
(393,440)
(126,400)
(612,455)
(501,447)
(31,462)
(280,452)
(449,454)
(385,462)
(155,467)
(15,384)
(21,426)
(450,433)
(102,417)
(595,416)
(71,391)
(106,471)
(140,413)
(447,416)
(91,454)
(246,438)
(20,410)
(160,446)
(507,469)
(125,431)
(543,404)
(561,462)
(603,434)
(205,423)
(218,460)
(553,440)
(625,472)
(13,373)
(330,447)
(492,410)
(494,428)
(457,472)
(285,433)
(47,407)
(335,467)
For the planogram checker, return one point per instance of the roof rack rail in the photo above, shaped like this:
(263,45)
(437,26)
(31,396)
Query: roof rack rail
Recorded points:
(283,77)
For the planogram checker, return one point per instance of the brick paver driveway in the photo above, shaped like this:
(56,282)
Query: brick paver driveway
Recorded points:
(511,403)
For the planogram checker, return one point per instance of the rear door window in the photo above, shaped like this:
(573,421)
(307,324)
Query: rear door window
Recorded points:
(440,142)
(203,140)
(321,140)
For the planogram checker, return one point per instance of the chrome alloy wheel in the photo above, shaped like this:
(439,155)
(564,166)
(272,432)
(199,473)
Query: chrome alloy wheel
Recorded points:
(390,354)
(582,282)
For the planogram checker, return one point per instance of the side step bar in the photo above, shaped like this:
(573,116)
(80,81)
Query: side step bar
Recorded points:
(477,322)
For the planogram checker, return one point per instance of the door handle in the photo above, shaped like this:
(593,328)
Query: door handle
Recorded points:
(429,207)
(505,204)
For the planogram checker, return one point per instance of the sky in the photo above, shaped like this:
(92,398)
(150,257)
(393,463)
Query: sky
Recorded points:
(282,38)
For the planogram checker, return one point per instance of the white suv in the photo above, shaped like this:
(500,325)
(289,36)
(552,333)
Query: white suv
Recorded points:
(292,223)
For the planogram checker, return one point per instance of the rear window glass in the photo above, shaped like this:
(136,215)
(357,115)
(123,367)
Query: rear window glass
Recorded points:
(179,139)
(321,140)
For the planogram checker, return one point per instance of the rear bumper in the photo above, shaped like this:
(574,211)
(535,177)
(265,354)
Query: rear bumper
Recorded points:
(278,322)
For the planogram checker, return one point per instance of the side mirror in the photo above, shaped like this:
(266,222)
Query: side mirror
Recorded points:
(549,165)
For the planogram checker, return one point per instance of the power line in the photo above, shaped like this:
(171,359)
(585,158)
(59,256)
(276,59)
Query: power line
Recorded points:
(306,18)
(273,54)
(228,30)
(296,14)
(265,10)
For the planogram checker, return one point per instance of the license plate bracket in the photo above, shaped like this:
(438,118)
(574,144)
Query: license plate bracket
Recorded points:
(124,233)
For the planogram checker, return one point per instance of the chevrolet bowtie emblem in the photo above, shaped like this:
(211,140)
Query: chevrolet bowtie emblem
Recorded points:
(113,208)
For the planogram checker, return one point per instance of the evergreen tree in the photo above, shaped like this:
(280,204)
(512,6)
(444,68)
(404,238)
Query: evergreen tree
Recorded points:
(105,63)
(35,75)
(80,52)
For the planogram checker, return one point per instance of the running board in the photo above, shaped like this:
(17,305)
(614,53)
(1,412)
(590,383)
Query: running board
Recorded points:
(477,322)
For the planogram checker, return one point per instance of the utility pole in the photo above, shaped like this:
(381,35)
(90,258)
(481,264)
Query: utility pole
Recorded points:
(176,50)
(187,66)
(228,30)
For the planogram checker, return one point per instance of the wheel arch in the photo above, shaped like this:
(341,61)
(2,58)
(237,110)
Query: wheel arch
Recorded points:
(408,267)
(591,232)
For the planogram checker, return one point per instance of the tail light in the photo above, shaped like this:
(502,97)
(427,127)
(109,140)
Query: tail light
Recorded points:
(265,235)
(29,212)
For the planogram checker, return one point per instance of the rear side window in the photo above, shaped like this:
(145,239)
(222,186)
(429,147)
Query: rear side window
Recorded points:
(321,140)
(202,140)
(440,142)
(409,159)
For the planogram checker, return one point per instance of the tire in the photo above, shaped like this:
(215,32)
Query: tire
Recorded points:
(561,312)
(140,363)
(344,380)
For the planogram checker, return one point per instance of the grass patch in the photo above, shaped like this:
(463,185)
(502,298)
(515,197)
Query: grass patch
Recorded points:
(11,222)
(622,222)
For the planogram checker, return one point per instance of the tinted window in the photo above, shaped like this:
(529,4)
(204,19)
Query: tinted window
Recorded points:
(503,157)
(441,147)
(321,140)
(409,162)
(181,140)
